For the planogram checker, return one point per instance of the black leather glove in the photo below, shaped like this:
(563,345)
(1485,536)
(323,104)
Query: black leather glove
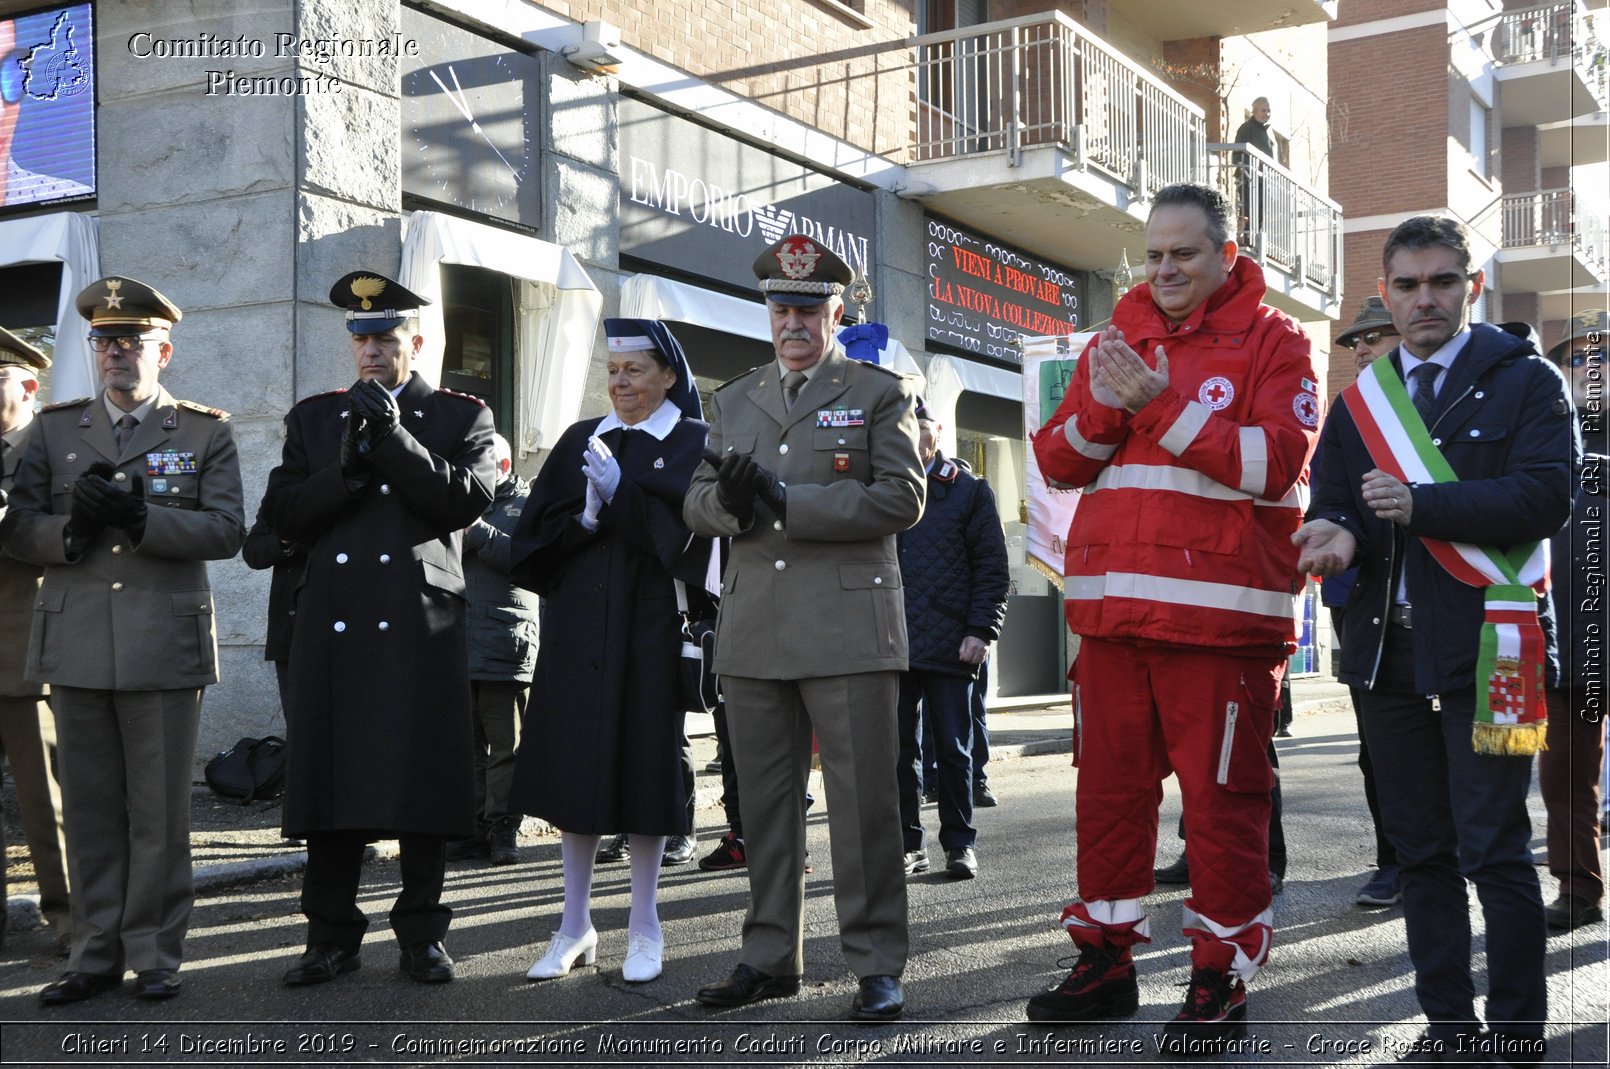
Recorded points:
(354,465)
(113,506)
(84,522)
(771,492)
(735,485)
(379,410)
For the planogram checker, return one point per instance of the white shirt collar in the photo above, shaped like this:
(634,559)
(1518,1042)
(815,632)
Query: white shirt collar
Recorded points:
(659,424)
(1443,357)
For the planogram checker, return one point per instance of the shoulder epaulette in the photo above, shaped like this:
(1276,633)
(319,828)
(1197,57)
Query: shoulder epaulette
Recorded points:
(878,367)
(326,393)
(74,403)
(461,396)
(215,413)
(740,378)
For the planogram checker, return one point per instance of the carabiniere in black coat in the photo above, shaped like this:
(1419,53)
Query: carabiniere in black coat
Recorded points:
(379,729)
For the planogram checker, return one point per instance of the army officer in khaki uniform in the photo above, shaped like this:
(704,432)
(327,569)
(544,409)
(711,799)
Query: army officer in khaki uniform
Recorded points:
(819,472)
(122,498)
(27,728)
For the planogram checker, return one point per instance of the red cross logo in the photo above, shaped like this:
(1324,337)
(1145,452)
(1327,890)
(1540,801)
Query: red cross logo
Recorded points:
(1216,393)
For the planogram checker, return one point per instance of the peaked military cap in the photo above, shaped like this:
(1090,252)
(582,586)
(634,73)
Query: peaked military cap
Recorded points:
(1373,316)
(375,304)
(1586,322)
(801,271)
(13,350)
(116,306)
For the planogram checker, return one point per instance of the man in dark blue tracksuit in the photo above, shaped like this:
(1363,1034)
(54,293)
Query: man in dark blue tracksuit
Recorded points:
(953,564)
(1501,417)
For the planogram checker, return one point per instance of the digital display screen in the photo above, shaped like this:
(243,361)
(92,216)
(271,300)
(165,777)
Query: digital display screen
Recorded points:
(47,107)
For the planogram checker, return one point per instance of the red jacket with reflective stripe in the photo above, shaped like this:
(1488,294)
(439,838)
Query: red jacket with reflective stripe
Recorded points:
(1183,532)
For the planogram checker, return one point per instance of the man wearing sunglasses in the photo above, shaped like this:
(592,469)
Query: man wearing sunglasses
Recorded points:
(122,498)
(17,185)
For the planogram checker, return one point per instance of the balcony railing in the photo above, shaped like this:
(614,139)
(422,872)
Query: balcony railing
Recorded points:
(1044,80)
(1556,217)
(1554,33)
(1281,221)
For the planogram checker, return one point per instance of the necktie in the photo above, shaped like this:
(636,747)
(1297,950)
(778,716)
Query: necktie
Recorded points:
(791,387)
(1425,395)
(125,431)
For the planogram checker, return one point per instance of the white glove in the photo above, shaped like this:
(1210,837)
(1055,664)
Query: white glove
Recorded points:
(601,468)
(589,515)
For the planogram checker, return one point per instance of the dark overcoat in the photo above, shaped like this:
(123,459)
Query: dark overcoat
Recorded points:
(379,722)
(600,748)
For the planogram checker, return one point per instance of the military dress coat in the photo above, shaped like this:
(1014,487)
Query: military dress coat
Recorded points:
(600,747)
(379,732)
(823,597)
(19,583)
(125,613)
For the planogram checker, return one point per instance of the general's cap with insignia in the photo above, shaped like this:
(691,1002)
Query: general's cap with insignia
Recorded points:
(801,271)
(116,306)
(1586,322)
(1373,316)
(650,335)
(375,303)
(13,350)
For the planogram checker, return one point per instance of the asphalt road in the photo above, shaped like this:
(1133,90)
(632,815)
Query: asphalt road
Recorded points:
(1338,989)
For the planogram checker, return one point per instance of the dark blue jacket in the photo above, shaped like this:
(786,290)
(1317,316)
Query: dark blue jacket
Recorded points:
(953,565)
(1507,428)
(503,617)
(1579,576)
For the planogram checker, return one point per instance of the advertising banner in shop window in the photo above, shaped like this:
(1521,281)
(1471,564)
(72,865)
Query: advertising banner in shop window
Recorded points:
(47,107)
(705,204)
(982,294)
(1048,364)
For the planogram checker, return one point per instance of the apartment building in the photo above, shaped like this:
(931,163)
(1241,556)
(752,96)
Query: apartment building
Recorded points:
(1525,91)
(985,164)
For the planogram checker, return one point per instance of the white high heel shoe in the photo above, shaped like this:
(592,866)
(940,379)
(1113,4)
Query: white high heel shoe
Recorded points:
(643,958)
(563,952)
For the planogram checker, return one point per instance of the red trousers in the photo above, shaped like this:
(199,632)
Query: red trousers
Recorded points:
(1141,712)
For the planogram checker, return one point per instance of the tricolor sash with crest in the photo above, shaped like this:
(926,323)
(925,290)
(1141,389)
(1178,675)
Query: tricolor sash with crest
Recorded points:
(1510,715)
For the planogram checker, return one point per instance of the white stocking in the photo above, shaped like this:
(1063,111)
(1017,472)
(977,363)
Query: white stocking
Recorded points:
(579,854)
(646,853)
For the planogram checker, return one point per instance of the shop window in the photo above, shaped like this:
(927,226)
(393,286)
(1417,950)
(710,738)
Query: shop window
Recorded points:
(478,328)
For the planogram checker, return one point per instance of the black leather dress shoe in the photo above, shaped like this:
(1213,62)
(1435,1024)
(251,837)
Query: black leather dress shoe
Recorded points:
(879,999)
(1179,872)
(426,963)
(961,863)
(156,984)
(321,963)
(747,985)
(76,987)
(678,850)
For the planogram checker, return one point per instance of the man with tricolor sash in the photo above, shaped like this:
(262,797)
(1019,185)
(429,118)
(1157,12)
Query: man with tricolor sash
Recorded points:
(1463,432)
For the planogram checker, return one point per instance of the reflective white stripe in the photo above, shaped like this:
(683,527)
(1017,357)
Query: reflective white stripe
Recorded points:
(1181,592)
(1083,446)
(1109,911)
(1179,437)
(1254,460)
(1245,965)
(1184,481)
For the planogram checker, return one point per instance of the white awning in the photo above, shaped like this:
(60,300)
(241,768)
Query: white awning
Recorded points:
(559,309)
(70,238)
(985,379)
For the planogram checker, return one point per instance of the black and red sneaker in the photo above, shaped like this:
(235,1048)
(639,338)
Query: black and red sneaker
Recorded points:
(728,854)
(1215,1011)
(1101,987)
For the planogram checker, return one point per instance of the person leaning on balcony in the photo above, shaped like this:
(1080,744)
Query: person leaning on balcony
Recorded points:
(1182,582)
(1254,132)
(1464,430)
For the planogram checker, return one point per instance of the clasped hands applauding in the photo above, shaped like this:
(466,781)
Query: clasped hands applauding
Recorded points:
(740,482)
(98,503)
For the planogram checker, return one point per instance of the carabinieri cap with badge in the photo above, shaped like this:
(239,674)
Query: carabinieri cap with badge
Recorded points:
(374,303)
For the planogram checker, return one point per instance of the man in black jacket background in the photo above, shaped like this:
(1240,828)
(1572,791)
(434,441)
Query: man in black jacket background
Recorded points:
(953,563)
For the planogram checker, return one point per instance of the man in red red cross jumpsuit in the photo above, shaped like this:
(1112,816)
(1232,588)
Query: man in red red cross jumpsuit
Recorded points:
(1188,425)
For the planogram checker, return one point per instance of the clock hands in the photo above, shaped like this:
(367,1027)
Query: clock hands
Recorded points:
(456,95)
